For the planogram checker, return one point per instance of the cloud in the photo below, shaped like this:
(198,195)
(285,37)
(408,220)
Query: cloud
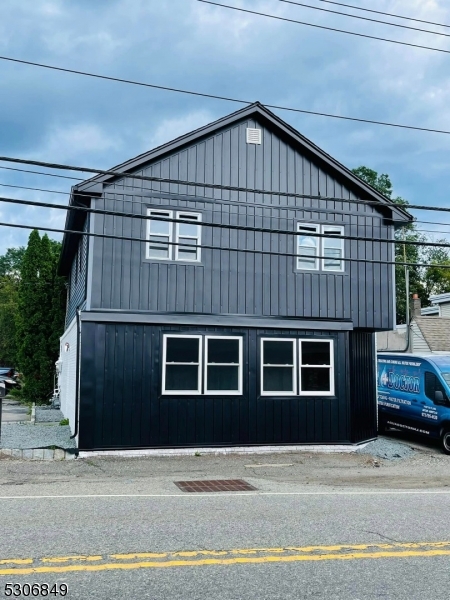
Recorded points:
(67,118)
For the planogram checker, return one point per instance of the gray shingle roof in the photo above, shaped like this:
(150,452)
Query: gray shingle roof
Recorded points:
(436,331)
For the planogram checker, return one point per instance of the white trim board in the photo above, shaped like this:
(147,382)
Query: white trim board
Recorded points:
(316,448)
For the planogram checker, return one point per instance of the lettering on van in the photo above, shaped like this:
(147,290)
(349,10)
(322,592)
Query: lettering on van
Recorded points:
(405,383)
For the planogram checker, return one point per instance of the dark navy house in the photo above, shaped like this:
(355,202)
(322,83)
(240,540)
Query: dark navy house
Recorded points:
(257,330)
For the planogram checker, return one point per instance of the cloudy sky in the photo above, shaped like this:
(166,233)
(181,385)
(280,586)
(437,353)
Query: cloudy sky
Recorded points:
(58,117)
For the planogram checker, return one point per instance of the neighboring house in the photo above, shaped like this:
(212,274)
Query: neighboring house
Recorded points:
(185,339)
(429,330)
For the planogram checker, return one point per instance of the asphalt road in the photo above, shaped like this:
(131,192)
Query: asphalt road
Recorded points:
(123,530)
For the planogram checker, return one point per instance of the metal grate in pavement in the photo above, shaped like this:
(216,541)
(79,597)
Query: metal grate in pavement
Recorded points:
(215,485)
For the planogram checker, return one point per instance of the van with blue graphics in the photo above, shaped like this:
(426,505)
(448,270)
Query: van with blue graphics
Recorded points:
(414,394)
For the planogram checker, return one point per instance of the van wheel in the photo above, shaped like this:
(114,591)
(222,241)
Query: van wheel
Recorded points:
(445,441)
(382,427)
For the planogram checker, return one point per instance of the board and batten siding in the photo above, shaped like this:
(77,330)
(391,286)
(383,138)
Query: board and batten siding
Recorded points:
(77,281)
(363,391)
(237,282)
(67,377)
(121,405)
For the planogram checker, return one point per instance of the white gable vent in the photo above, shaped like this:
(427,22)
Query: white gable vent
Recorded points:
(253,136)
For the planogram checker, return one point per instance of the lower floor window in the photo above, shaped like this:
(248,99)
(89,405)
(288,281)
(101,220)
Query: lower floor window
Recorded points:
(282,374)
(183,356)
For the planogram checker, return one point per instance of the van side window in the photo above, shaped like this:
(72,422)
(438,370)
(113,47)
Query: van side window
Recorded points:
(432,385)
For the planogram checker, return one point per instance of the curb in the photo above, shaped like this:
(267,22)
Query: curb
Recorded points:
(216,451)
(39,453)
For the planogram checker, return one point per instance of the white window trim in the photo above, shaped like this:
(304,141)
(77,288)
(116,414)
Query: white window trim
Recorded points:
(339,228)
(192,237)
(196,392)
(300,258)
(330,367)
(320,245)
(294,367)
(237,392)
(150,212)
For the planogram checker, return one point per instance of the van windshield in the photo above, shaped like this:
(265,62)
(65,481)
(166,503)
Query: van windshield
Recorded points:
(446,377)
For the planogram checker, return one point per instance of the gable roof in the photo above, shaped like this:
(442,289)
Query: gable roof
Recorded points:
(274,122)
(436,332)
(94,186)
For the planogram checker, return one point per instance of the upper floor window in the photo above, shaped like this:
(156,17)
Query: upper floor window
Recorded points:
(174,241)
(309,247)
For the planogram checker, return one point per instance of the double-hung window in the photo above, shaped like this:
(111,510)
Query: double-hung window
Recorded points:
(173,241)
(278,367)
(187,237)
(310,247)
(332,248)
(223,365)
(182,364)
(316,377)
(282,374)
(184,355)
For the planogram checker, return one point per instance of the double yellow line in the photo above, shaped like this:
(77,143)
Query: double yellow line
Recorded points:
(195,558)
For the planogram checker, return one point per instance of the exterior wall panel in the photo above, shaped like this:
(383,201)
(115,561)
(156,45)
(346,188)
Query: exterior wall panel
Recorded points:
(77,284)
(231,282)
(121,404)
(363,386)
(67,376)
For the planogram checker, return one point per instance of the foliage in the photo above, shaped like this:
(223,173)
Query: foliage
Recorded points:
(40,316)
(10,262)
(64,422)
(9,288)
(403,252)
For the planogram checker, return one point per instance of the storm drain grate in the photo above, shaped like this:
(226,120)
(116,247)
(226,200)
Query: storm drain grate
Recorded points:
(215,485)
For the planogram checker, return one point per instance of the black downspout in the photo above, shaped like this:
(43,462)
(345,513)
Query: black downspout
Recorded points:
(77,383)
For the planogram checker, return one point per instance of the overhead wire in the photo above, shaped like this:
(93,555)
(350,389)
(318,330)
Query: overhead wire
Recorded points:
(225,226)
(211,247)
(203,199)
(151,191)
(337,12)
(218,97)
(325,27)
(112,172)
(386,14)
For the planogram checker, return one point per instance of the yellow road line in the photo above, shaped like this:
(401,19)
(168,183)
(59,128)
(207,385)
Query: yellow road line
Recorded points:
(225,561)
(61,559)
(139,560)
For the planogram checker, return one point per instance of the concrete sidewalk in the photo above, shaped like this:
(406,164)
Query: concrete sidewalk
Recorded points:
(13,411)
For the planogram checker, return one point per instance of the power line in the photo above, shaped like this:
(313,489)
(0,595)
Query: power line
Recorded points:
(334,29)
(239,250)
(217,97)
(231,227)
(389,203)
(386,14)
(119,192)
(337,12)
(41,173)
(151,191)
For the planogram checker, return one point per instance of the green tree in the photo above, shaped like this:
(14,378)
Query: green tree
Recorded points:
(9,288)
(436,279)
(39,322)
(403,252)
(10,262)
